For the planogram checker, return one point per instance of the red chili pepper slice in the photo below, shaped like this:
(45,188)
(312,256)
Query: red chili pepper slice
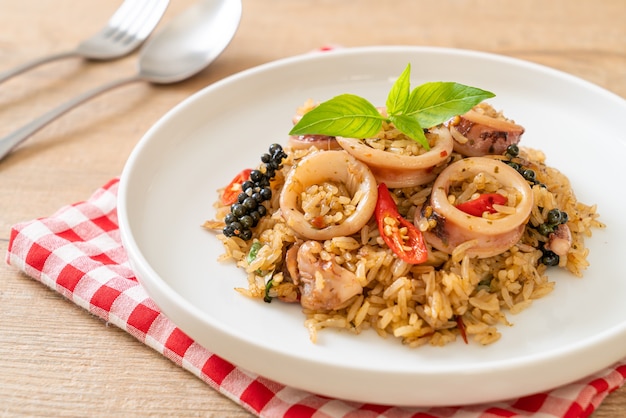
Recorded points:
(231,192)
(483,203)
(318,222)
(407,244)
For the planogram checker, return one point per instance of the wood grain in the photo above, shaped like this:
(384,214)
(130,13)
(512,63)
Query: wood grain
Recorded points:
(56,359)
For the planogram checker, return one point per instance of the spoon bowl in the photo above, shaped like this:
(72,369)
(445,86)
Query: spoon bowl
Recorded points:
(190,42)
(187,45)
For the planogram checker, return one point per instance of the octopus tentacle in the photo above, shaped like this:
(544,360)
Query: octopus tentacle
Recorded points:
(483,131)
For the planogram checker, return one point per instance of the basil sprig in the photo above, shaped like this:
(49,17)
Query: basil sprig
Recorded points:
(411,111)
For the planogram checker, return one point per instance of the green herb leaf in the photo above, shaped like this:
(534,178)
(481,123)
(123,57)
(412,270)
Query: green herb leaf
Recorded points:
(436,102)
(254,250)
(268,286)
(426,106)
(410,126)
(345,115)
(399,93)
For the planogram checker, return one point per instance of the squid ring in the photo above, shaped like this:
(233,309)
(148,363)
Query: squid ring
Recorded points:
(325,166)
(454,227)
(396,170)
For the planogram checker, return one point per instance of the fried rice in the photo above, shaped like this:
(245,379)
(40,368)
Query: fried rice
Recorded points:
(447,297)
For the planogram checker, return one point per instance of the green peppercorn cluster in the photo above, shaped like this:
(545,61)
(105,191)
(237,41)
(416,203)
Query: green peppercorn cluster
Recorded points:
(554,218)
(529,175)
(246,213)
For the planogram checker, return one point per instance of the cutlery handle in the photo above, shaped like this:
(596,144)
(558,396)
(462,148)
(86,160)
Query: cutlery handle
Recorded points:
(14,139)
(5,75)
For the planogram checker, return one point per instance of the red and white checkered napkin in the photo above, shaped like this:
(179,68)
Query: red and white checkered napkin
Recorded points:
(78,253)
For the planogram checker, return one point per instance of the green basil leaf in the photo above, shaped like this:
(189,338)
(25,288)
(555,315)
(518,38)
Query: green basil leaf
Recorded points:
(409,110)
(254,250)
(399,94)
(434,103)
(345,115)
(410,126)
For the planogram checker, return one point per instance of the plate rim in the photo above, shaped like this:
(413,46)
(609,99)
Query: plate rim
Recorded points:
(142,264)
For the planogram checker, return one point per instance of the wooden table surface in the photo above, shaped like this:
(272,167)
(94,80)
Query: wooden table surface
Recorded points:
(56,359)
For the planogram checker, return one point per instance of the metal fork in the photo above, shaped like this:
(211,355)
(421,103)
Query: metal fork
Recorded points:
(129,26)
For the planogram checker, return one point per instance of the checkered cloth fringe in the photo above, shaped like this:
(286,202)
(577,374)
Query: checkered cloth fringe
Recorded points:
(78,253)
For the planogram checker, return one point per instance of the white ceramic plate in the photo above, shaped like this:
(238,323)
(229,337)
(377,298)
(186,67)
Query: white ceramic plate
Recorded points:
(170,181)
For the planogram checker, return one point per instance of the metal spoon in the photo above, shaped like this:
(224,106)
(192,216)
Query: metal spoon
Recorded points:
(183,48)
